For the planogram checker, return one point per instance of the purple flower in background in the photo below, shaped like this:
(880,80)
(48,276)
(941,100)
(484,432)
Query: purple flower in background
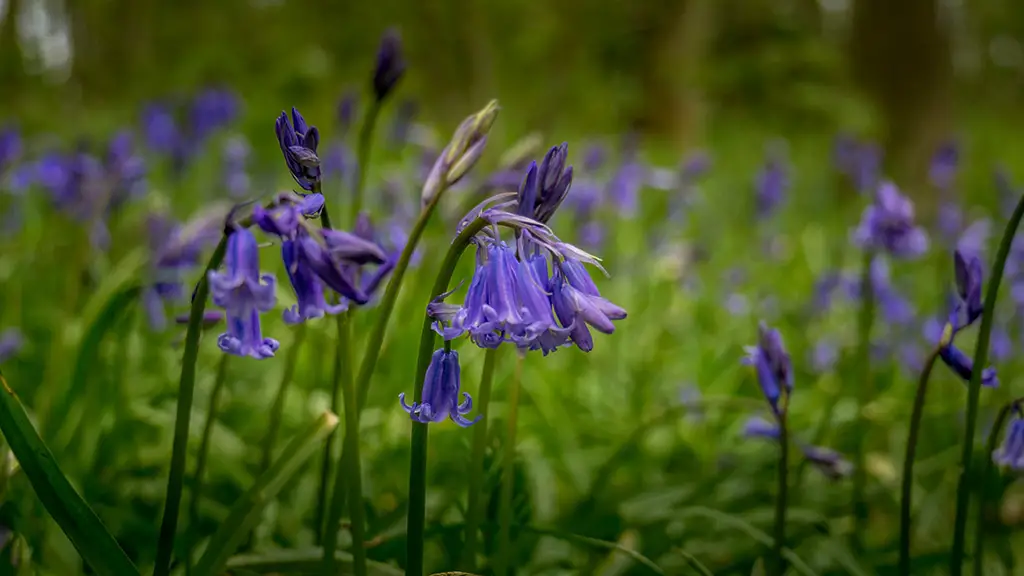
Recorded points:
(594,158)
(694,166)
(828,462)
(771,183)
(10,147)
(441,393)
(888,225)
(624,187)
(390,65)
(235,168)
(11,342)
(161,129)
(347,111)
(824,356)
(772,365)
(858,161)
(298,144)
(758,427)
(401,124)
(211,110)
(963,367)
(243,293)
(1011,453)
(945,163)
(949,220)
(340,162)
(125,171)
(1000,344)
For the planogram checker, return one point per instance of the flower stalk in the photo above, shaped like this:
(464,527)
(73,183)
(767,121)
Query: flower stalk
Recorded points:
(907,487)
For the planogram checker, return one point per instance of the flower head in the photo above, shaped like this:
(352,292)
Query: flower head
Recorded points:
(772,365)
(1011,453)
(308,289)
(579,304)
(888,224)
(284,216)
(441,393)
(243,293)
(390,64)
(963,366)
(299,142)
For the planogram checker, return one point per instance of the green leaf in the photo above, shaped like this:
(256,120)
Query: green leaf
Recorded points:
(247,511)
(81,525)
(307,561)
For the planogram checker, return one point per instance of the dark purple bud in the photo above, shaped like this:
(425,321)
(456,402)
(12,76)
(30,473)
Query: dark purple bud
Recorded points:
(963,367)
(441,393)
(299,145)
(771,364)
(528,192)
(390,65)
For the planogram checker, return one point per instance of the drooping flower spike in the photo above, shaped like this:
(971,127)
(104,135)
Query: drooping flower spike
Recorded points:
(243,293)
(441,393)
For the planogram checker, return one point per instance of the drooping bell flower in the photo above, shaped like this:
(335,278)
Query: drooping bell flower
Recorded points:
(390,65)
(1011,453)
(963,366)
(968,274)
(283,217)
(243,293)
(309,291)
(333,264)
(624,187)
(772,365)
(578,304)
(441,393)
(539,331)
(210,110)
(888,225)
(299,142)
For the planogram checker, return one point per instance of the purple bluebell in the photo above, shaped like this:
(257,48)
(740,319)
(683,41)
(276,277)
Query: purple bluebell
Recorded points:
(772,365)
(578,304)
(949,221)
(161,129)
(332,261)
(210,110)
(1011,453)
(771,183)
(347,111)
(888,225)
(695,165)
(1000,344)
(944,165)
(861,162)
(441,393)
(10,148)
(243,293)
(539,330)
(594,158)
(758,427)
(963,367)
(235,167)
(11,342)
(968,273)
(828,462)
(824,288)
(174,250)
(390,64)
(299,142)
(283,217)
(544,188)
(309,291)
(624,187)
(124,170)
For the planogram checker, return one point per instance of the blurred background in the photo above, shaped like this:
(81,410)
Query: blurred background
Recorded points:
(739,209)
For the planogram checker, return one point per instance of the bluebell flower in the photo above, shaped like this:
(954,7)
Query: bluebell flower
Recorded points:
(282,218)
(944,165)
(441,389)
(234,169)
(594,157)
(10,148)
(694,166)
(243,293)
(211,109)
(161,129)
(1011,453)
(828,461)
(347,111)
(624,187)
(538,330)
(772,365)
(309,291)
(860,162)
(578,304)
(11,342)
(299,142)
(771,183)
(390,64)
(758,427)
(125,171)
(968,274)
(332,260)
(963,366)
(888,225)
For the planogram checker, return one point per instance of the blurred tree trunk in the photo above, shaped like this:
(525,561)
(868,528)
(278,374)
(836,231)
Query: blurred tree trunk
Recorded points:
(12,62)
(677,34)
(901,56)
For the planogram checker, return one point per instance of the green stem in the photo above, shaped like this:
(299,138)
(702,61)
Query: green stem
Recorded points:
(474,512)
(277,410)
(416,519)
(986,466)
(508,476)
(963,489)
(364,150)
(183,417)
(339,374)
(866,394)
(349,470)
(204,448)
(908,463)
(781,499)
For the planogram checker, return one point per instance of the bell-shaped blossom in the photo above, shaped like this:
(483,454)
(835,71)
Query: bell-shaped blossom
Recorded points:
(578,304)
(390,65)
(772,365)
(441,393)
(1011,453)
(335,272)
(538,331)
(283,217)
(298,143)
(243,293)
(309,291)
(888,225)
(968,273)
(963,366)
